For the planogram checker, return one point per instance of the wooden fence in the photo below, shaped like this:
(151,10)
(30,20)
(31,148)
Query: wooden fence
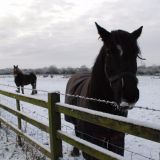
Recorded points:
(55,108)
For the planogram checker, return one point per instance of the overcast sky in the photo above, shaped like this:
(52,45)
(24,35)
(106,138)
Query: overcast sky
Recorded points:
(38,33)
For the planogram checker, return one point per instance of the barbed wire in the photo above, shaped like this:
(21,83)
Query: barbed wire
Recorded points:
(147,108)
(106,102)
(91,99)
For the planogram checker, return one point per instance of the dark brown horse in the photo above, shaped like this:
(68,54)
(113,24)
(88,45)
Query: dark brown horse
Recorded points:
(22,79)
(113,78)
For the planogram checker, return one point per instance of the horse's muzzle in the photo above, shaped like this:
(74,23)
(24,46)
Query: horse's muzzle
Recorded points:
(129,98)
(126,106)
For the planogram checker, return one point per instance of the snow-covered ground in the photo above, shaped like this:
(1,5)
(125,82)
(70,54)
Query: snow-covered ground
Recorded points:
(149,97)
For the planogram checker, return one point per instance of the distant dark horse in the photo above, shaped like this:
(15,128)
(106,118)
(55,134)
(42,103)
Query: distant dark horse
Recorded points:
(113,78)
(22,79)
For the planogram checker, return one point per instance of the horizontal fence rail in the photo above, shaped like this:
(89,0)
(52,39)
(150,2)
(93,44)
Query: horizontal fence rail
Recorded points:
(27,99)
(27,118)
(118,123)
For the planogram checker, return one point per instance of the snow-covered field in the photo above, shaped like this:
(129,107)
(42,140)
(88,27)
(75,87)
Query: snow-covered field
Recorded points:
(145,149)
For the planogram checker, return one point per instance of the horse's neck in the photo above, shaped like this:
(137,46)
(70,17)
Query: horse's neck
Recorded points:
(19,74)
(99,85)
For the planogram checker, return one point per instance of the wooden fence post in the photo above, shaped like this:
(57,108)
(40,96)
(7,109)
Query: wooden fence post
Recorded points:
(19,121)
(54,125)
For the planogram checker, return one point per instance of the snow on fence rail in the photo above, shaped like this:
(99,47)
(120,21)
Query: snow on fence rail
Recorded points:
(55,108)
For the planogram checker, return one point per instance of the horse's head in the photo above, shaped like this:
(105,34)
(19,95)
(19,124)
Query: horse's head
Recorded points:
(16,70)
(120,52)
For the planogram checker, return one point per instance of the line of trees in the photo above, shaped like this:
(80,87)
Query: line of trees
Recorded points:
(55,70)
(49,70)
(142,70)
(150,70)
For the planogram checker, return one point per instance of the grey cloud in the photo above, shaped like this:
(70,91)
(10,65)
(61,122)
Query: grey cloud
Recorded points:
(38,38)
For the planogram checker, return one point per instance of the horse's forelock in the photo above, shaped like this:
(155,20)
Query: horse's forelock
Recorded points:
(126,41)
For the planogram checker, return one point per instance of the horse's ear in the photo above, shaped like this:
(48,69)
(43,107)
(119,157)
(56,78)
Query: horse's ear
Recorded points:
(137,32)
(104,34)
